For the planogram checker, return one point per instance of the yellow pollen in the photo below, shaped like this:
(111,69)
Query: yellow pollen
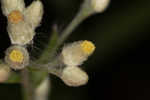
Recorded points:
(15,17)
(87,47)
(16,56)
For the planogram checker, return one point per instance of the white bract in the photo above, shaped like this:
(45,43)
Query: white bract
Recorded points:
(74,76)
(74,54)
(22,21)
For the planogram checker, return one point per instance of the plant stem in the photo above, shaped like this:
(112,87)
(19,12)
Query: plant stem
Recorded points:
(50,47)
(85,11)
(27,88)
(42,91)
(70,28)
(54,67)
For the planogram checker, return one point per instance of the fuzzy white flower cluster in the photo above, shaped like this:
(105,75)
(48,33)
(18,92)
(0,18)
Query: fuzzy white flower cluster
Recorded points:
(22,21)
(73,55)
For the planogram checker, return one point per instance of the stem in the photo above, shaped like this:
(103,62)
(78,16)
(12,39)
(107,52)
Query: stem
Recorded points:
(70,28)
(55,41)
(85,11)
(54,67)
(42,91)
(50,47)
(28,92)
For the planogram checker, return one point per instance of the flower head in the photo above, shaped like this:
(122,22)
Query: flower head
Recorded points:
(87,47)
(22,21)
(17,57)
(15,17)
(74,76)
(76,53)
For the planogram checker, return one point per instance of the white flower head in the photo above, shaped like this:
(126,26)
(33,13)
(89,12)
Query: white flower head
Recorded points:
(100,5)
(22,21)
(74,76)
(17,57)
(74,54)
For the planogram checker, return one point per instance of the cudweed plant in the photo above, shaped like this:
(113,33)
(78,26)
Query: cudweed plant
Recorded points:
(17,67)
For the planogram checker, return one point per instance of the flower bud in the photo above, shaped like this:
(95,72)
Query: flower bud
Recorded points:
(74,76)
(4,72)
(100,5)
(75,53)
(34,13)
(15,17)
(10,5)
(20,33)
(22,21)
(17,57)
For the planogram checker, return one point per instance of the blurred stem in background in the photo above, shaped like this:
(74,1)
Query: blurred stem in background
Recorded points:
(27,88)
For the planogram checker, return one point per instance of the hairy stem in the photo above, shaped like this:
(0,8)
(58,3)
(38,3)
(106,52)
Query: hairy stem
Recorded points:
(49,50)
(54,67)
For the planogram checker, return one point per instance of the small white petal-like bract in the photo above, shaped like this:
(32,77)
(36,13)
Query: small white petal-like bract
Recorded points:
(74,54)
(10,5)
(74,76)
(100,5)
(20,33)
(33,13)
(22,21)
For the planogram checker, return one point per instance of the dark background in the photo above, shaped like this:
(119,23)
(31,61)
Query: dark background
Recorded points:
(119,68)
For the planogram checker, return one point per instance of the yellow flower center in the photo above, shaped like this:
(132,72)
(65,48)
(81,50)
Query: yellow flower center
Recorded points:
(87,47)
(16,56)
(15,17)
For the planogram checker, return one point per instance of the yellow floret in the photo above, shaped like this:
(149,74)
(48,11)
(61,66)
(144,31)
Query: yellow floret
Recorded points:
(15,17)
(87,47)
(16,56)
